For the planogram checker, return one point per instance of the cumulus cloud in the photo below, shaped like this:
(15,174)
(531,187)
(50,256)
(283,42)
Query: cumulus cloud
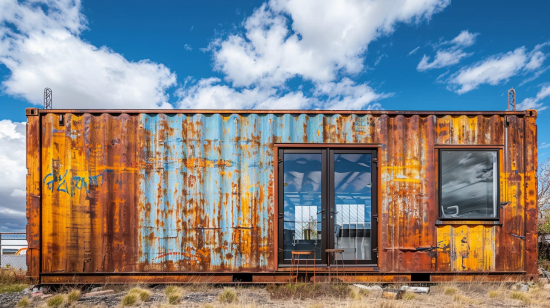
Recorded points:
(449,56)
(346,94)
(284,38)
(464,39)
(12,175)
(40,45)
(534,102)
(495,69)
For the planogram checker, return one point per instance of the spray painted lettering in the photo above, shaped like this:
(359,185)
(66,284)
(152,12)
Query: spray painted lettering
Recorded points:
(69,185)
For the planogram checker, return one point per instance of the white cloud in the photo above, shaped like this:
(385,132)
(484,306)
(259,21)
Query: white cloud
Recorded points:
(494,70)
(284,38)
(43,49)
(451,55)
(12,173)
(346,94)
(442,58)
(412,52)
(534,102)
(464,39)
(187,47)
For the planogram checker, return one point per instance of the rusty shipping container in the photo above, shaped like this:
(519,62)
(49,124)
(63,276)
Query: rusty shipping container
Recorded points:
(166,196)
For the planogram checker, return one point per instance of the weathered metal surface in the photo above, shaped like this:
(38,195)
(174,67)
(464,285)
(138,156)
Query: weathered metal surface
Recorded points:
(193,192)
(33,195)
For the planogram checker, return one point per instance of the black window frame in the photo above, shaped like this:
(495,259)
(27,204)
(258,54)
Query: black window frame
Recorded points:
(327,240)
(440,184)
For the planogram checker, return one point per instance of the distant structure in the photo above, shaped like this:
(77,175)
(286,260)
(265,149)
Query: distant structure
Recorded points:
(47,98)
(512,99)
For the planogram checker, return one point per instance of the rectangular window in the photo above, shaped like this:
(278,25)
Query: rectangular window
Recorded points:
(468,184)
(327,204)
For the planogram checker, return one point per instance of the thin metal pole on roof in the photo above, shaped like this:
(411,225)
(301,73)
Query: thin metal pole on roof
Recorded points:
(48,98)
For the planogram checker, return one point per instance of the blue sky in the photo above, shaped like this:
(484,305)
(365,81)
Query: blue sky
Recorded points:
(295,54)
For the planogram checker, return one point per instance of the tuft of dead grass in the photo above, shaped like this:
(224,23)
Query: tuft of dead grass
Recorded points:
(144,295)
(450,291)
(520,296)
(358,294)
(56,301)
(304,291)
(494,294)
(228,296)
(24,302)
(408,296)
(129,300)
(73,296)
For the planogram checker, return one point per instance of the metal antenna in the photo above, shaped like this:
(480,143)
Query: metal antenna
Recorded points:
(47,98)
(512,99)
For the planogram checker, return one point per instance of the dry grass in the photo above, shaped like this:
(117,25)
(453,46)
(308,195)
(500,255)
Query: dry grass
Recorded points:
(12,281)
(56,301)
(521,296)
(24,302)
(328,295)
(408,296)
(494,294)
(358,294)
(449,291)
(129,300)
(228,296)
(73,296)
(302,291)
(174,294)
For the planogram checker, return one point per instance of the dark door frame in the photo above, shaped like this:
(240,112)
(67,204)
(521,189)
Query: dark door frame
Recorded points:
(375,205)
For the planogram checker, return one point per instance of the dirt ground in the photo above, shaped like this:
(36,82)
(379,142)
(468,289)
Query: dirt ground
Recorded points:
(292,295)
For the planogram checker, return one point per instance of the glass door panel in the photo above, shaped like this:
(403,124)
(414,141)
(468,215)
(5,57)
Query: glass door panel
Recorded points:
(302,183)
(352,205)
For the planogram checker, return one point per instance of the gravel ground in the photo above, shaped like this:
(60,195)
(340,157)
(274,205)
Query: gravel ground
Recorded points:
(460,295)
(10,299)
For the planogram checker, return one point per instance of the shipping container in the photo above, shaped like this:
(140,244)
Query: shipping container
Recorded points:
(168,196)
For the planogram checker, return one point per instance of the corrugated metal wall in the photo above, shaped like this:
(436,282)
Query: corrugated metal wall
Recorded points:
(194,192)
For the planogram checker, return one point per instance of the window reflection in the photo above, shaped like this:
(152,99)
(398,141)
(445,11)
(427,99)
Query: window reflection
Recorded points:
(468,184)
(352,187)
(302,203)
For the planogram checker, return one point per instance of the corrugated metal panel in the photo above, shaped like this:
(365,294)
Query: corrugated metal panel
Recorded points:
(194,192)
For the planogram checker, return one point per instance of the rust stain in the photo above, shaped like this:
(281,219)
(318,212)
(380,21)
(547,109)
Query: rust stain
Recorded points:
(191,192)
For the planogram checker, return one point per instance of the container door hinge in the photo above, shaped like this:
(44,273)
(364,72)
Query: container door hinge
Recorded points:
(281,215)
(375,160)
(375,216)
(280,160)
(375,250)
(280,250)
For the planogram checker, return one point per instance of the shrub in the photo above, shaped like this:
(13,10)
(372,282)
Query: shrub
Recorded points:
(228,296)
(493,294)
(144,295)
(170,290)
(24,302)
(73,296)
(174,298)
(56,301)
(129,300)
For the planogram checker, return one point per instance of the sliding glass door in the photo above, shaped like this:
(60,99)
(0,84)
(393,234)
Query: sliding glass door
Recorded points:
(327,200)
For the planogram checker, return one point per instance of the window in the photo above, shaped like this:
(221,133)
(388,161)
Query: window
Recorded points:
(326,201)
(468,182)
